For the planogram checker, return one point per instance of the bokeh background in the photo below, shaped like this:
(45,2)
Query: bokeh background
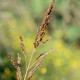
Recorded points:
(23,17)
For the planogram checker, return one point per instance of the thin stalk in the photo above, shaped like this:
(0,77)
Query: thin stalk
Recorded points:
(29,63)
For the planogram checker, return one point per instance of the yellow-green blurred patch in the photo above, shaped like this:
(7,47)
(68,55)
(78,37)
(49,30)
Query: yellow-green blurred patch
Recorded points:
(43,70)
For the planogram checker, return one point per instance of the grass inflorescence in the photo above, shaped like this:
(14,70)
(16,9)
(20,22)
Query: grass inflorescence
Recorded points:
(33,65)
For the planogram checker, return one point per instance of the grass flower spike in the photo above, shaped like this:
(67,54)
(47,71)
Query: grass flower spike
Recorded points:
(33,64)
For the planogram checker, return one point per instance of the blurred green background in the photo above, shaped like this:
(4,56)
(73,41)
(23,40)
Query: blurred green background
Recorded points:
(23,17)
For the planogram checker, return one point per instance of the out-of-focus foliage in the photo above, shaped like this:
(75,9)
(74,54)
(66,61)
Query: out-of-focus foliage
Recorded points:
(22,17)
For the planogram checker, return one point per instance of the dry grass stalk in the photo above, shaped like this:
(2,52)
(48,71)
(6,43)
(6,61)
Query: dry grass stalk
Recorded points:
(29,63)
(44,25)
(12,60)
(23,48)
(15,65)
(33,69)
(41,32)
(19,68)
(29,77)
(49,51)
(34,64)
(39,56)
(38,64)
(45,41)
